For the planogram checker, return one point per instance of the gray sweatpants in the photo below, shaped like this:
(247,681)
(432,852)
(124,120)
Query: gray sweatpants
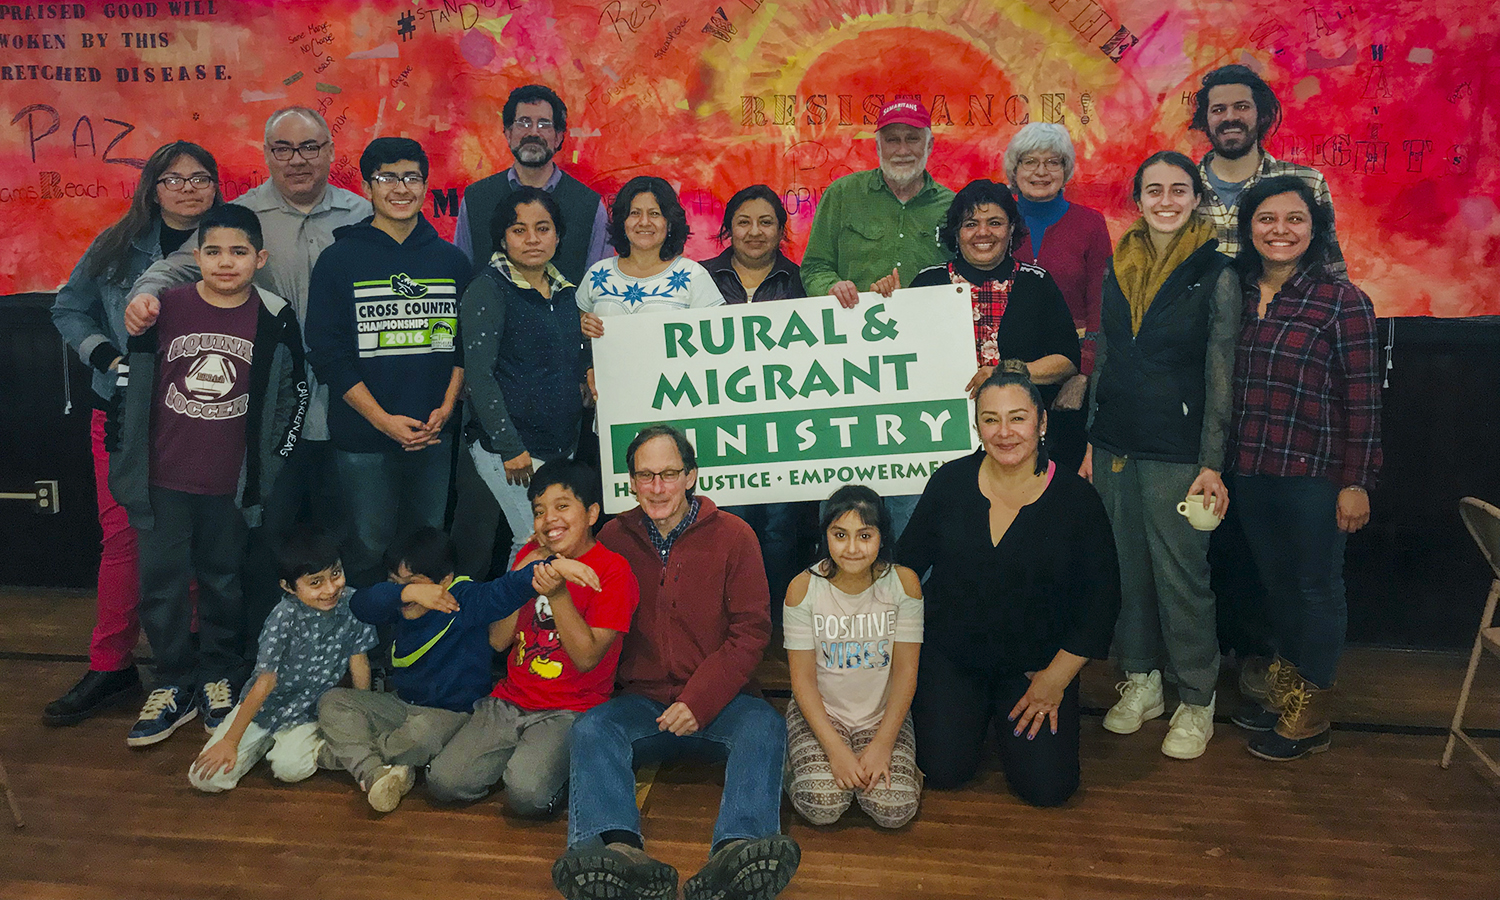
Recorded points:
(1166,603)
(365,730)
(526,749)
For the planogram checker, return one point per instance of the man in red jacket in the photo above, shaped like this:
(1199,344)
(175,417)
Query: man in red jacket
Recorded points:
(699,632)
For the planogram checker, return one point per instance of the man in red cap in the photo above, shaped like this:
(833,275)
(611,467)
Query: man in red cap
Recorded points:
(870,224)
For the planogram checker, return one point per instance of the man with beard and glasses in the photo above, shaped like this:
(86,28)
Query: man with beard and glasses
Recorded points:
(536,123)
(1238,111)
(881,222)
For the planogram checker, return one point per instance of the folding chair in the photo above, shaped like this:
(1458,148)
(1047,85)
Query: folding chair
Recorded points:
(1483,522)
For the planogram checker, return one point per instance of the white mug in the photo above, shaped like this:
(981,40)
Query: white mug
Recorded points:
(1200,517)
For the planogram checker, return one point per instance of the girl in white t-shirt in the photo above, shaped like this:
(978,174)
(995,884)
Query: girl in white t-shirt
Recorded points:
(853,625)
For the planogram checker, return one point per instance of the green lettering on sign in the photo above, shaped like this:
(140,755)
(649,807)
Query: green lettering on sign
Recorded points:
(850,431)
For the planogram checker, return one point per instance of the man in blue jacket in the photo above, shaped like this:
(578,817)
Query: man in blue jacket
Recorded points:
(382,333)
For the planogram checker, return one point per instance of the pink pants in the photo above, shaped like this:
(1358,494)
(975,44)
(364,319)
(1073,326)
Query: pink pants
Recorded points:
(118,626)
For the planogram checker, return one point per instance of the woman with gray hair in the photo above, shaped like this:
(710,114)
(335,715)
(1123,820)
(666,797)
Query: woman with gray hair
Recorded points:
(1072,243)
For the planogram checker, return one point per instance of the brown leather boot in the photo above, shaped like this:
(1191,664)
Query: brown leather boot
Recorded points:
(1261,713)
(1281,679)
(1257,674)
(1302,729)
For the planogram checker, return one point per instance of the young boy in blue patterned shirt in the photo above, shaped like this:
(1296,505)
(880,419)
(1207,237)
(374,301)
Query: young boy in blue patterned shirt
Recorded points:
(309,641)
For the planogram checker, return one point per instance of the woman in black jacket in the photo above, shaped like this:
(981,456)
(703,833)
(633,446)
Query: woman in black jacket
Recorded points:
(1158,422)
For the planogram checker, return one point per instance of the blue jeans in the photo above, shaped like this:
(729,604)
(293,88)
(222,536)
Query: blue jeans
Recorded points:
(510,497)
(1291,525)
(610,740)
(389,495)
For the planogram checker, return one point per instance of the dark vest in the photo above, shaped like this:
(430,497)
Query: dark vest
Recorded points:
(1152,392)
(578,203)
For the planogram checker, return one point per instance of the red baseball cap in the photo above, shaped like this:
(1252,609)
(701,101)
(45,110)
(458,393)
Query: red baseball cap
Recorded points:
(904,112)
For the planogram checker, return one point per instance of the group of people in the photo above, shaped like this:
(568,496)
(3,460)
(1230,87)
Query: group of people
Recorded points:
(278,391)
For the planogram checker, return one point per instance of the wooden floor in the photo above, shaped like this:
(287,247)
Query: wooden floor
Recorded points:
(1374,818)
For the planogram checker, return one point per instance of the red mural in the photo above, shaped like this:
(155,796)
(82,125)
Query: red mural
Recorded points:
(1393,100)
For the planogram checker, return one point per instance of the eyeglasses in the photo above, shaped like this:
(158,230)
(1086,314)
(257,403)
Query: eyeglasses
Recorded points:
(529,125)
(388,179)
(1050,164)
(177,182)
(667,476)
(309,150)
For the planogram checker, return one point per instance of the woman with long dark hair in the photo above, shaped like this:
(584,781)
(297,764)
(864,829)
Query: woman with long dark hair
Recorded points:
(179,183)
(522,355)
(1307,448)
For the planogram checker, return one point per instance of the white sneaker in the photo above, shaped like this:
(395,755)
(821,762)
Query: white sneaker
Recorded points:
(390,784)
(1140,701)
(1192,726)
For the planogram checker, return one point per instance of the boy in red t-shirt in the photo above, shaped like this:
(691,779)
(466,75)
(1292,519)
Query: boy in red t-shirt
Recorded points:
(563,651)
(213,411)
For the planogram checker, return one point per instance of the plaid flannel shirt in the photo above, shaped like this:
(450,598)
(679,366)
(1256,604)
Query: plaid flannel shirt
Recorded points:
(1226,218)
(662,544)
(989,299)
(1307,383)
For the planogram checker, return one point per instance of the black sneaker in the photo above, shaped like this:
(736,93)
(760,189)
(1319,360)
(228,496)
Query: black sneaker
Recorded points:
(93,693)
(746,870)
(614,872)
(166,710)
(1254,717)
(215,701)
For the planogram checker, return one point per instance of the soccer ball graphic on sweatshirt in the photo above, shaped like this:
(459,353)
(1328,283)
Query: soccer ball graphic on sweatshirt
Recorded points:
(210,377)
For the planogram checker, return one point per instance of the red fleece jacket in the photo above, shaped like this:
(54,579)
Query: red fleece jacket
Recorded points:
(704,618)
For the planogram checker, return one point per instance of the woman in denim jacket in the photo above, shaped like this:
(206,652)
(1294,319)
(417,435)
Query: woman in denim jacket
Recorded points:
(180,182)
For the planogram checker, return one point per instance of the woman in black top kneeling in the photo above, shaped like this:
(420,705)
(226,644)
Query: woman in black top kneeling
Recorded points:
(1022,589)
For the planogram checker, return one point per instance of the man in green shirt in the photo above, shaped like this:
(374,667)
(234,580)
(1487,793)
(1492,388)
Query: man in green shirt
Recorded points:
(871,223)
(876,223)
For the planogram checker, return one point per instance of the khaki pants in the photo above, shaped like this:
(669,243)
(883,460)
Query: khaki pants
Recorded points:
(368,729)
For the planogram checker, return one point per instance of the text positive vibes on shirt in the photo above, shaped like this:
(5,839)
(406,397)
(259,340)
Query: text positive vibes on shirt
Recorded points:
(860,641)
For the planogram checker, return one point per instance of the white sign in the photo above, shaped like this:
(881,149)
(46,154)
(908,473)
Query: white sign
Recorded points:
(791,399)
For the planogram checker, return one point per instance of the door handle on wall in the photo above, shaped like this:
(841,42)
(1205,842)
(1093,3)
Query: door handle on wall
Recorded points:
(43,497)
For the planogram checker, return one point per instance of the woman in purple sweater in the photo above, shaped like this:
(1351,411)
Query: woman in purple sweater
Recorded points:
(1072,243)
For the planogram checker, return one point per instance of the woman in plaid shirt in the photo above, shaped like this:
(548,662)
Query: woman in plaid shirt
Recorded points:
(1307,428)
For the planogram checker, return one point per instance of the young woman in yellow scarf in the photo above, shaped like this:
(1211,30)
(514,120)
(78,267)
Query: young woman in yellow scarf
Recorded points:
(1158,421)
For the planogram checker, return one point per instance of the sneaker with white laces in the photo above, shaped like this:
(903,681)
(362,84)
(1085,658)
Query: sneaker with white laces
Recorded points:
(167,709)
(215,701)
(389,785)
(1140,701)
(1191,728)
